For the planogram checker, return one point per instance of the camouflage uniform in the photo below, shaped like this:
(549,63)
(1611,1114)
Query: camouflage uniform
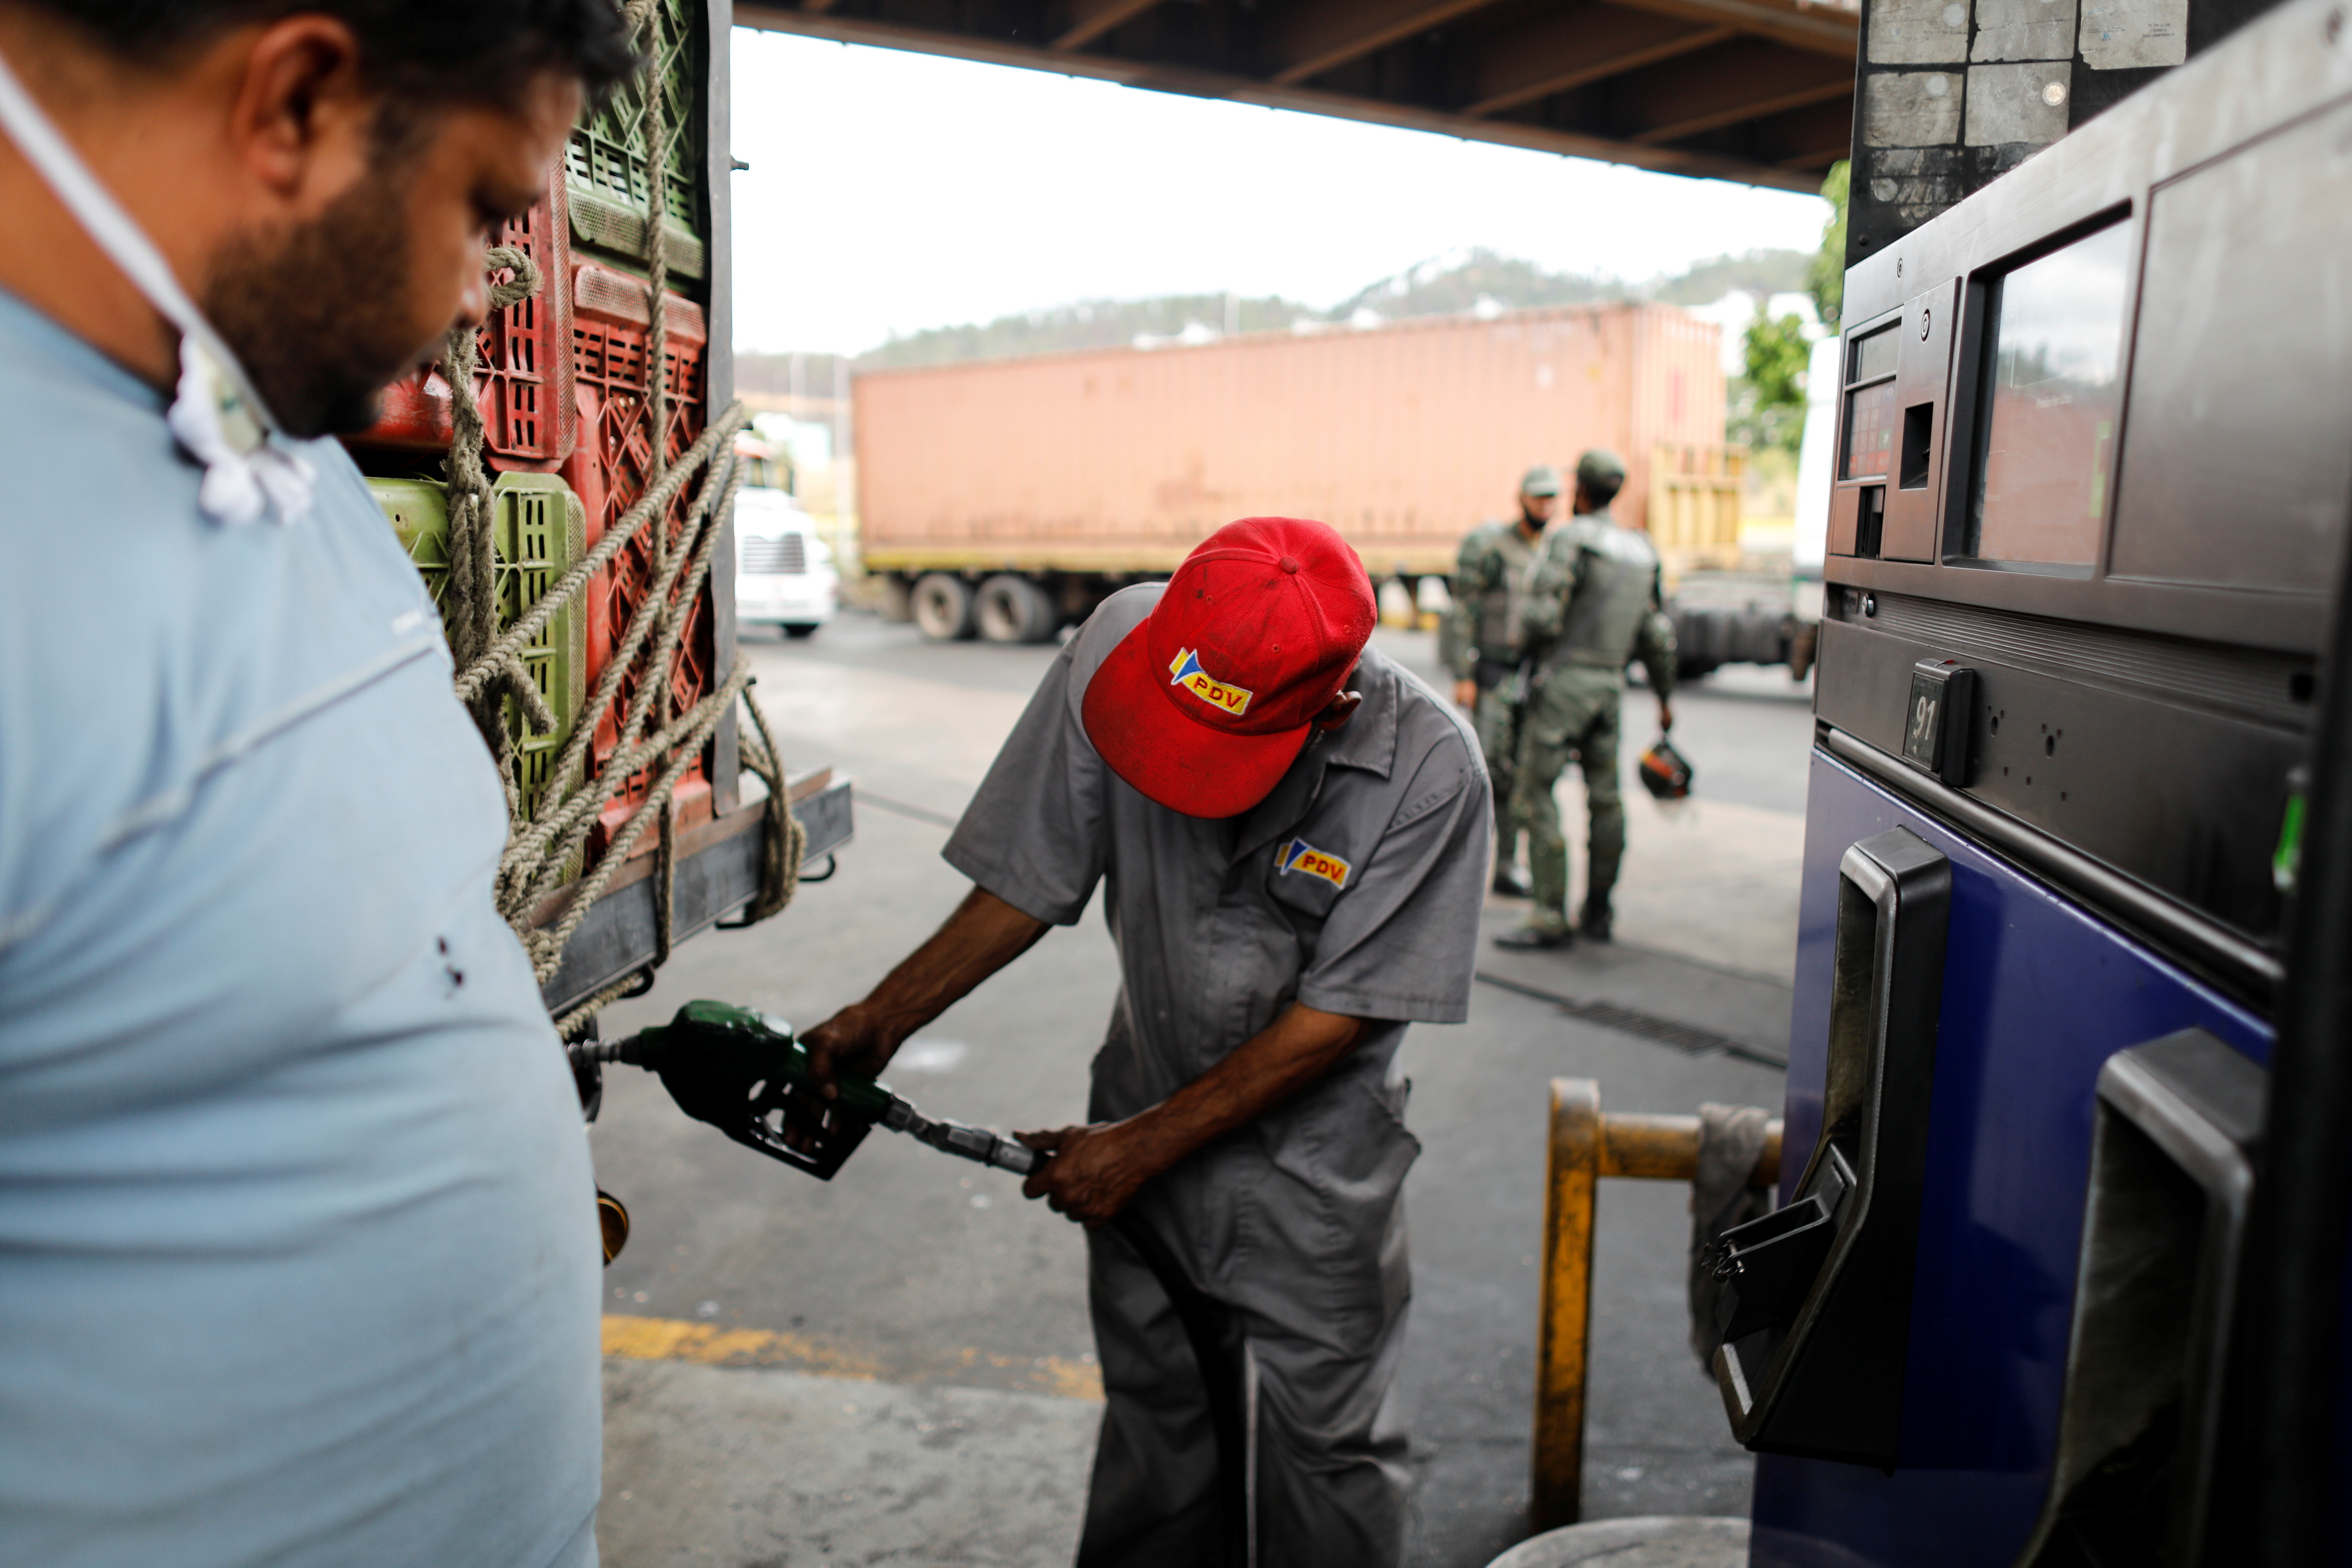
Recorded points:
(1594,602)
(1479,642)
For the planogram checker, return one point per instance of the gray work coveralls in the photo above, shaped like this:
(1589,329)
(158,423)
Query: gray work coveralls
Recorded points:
(1294,1225)
(1593,604)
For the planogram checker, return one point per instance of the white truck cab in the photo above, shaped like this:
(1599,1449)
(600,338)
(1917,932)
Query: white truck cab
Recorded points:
(784,574)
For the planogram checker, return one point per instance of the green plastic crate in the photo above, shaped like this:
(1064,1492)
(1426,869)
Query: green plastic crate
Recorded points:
(540,530)
(605,163)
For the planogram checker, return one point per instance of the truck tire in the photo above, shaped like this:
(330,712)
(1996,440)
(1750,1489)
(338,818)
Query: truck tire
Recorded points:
(1015,609)
(941,604)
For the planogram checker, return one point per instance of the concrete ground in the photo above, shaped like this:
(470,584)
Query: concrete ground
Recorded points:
(895,1367)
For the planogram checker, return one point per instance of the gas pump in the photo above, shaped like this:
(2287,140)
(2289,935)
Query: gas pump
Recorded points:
(2025,1300)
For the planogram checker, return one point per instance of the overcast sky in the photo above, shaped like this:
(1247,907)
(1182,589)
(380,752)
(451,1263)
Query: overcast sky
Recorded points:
(890,192)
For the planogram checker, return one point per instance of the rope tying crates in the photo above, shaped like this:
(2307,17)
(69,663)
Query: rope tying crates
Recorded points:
(540,851)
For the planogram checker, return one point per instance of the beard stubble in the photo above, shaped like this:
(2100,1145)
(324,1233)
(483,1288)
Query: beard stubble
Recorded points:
(315,315)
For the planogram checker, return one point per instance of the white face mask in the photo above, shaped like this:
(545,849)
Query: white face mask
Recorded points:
(215,415)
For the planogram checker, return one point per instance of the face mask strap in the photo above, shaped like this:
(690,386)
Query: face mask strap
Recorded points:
(114,229)
(216,414)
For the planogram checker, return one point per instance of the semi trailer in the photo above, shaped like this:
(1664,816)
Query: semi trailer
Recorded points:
(1004,499)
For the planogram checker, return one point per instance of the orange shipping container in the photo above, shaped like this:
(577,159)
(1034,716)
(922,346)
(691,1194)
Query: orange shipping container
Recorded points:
(1115,463)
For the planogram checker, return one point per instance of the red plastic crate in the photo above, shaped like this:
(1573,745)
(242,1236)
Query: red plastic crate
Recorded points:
(522,377)
(607,469)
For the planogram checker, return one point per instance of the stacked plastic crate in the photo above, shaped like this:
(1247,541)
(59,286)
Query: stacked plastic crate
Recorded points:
(563,382)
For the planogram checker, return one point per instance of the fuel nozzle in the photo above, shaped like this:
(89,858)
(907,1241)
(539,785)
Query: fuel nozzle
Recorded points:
(745,1073)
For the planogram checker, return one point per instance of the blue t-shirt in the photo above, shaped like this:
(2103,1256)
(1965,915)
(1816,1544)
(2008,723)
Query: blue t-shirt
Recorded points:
(298,1249)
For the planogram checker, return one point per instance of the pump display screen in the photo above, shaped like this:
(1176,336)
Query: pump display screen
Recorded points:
(2237,470)
(2052,397)
(1870,409)
(1869,432)
(1874,356)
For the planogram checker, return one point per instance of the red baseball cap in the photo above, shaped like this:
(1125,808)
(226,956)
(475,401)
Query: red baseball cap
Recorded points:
(1206,704)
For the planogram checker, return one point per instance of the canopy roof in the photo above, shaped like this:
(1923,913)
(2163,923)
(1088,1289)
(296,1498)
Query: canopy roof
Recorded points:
(1756,90)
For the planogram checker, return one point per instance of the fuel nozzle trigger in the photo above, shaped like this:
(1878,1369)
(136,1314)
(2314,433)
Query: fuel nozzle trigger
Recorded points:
(746,1074)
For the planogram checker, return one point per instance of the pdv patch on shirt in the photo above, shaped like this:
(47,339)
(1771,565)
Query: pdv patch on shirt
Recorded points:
(1185,670)
(1303,856)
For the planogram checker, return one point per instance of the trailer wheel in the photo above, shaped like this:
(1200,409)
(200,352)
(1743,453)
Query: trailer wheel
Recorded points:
(1015,609)
(941,604)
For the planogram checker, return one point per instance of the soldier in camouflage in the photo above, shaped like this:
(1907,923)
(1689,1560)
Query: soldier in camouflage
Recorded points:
(1479,643)
(1593,603)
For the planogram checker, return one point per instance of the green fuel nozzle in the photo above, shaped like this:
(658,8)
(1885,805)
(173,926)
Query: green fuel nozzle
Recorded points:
(745,1073)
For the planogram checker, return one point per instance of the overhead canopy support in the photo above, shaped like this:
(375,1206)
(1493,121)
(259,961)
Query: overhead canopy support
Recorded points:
(1318,36)
(1759,92)
(1580,46)
(1089,20)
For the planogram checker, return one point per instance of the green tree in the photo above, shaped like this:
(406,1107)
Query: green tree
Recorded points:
(1768,403)
(1778,352)
(1828,283)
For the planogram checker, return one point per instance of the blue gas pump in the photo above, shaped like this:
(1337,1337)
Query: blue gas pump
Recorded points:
(2057,1275)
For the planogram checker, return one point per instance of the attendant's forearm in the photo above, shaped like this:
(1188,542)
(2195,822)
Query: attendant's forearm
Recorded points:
(1275,1063)
(983,935)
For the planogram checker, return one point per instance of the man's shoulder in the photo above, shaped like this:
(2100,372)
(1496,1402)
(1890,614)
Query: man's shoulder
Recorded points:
(1106,628)
(1484,541)
(1604,535)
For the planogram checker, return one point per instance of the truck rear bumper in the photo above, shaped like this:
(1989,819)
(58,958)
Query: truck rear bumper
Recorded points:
(717,874)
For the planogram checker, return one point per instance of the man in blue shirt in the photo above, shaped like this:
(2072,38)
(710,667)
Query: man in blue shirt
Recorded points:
(298,1255)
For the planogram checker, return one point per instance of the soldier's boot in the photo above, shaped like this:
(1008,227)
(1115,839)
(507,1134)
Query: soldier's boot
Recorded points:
(1593,922)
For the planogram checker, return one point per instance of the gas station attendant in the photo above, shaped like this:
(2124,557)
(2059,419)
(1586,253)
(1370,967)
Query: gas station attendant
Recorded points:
(1293,835)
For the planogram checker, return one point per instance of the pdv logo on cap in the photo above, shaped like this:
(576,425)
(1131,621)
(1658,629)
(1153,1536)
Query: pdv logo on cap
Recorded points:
(1188,673)
(1205,705)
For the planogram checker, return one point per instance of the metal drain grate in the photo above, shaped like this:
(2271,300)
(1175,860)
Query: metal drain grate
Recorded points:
(1688,1039)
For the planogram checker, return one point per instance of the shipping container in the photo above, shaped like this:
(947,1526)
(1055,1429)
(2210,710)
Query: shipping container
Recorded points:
(1010,496)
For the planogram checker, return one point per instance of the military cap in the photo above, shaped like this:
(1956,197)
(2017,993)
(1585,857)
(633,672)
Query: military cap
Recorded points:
(1543,480)
(1599,467)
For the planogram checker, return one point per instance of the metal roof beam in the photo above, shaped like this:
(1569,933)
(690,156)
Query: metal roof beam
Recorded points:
(1313,37)
(1811,138)
(1817,29)
(1752,108)
(1577,47)
(1696,161)
(1089,20)
(1747,81)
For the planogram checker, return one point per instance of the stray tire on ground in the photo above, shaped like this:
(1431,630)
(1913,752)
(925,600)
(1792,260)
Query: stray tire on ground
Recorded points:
(941,604)
(1013,609)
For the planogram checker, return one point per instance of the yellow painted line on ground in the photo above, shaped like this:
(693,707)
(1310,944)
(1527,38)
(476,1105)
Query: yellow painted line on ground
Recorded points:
(671,1338)
(1049,1374)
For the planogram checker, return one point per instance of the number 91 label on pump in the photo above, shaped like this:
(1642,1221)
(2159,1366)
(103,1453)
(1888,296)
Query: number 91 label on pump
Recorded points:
(1936,728)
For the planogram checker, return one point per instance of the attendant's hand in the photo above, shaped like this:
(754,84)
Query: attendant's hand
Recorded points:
(857,1040)
(1466,694)
(1665,716)
(1093,1172)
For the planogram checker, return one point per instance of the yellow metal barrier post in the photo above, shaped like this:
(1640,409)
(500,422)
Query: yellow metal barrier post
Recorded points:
(1585,1146)
(1564,1330)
